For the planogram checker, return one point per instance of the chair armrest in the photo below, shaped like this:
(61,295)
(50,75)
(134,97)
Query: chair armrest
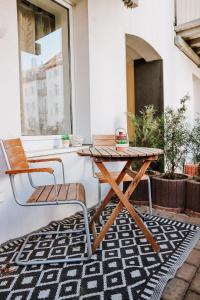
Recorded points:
(45,159)
(35,170)
(50,159)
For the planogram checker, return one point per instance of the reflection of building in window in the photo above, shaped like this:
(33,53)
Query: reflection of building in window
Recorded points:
(44,104)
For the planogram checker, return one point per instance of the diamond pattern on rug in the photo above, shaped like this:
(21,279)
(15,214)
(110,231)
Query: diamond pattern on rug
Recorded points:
(124,266)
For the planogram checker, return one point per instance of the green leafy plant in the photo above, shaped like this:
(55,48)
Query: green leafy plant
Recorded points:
(195,141)
(148,131)
(176,138)
(65,137)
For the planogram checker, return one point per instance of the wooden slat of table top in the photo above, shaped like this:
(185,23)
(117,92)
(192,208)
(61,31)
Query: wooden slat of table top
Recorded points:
(150,150)
(103,151)
(92,151)
(136,152)
(116,153)
(110,152)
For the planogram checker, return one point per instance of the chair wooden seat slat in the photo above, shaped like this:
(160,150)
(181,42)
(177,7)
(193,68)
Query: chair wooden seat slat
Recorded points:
(63,192)
(34,197)
(72,191)
(66,192)
(45,193)
(51,197)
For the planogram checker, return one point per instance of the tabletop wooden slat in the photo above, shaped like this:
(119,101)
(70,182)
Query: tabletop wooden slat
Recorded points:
(119,153)
(103,151)
(92,151)
(136,153)
(111,152)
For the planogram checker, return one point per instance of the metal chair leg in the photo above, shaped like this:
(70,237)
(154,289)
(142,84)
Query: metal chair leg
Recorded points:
(54,261)
(99,201)
(150,198)
(87,231)
(99,192)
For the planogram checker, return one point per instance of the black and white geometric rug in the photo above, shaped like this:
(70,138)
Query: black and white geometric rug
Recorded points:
(124,267)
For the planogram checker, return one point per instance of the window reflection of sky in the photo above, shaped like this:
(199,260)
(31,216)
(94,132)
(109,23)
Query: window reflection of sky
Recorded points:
(51,45)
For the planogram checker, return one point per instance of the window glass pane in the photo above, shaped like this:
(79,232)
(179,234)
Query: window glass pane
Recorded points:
(45,72)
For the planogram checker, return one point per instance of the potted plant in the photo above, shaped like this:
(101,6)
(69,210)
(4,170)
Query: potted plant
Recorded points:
(169,189)
(148,132)
(192,169)
(193,185)
(65,140)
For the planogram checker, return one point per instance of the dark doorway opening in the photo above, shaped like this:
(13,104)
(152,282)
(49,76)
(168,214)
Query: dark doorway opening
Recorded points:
(148,85)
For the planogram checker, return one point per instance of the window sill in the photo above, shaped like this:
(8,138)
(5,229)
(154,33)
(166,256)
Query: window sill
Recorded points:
(47,152)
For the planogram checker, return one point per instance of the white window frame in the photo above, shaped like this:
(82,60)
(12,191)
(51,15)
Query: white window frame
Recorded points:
(36,138)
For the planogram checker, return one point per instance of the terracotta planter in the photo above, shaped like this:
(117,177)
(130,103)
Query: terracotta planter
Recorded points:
(191,169)
(169,194)
(193,196)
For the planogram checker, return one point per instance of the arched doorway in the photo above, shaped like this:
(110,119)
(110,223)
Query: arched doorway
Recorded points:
(144,77)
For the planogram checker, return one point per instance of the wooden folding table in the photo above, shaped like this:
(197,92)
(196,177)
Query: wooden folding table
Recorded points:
(103,154)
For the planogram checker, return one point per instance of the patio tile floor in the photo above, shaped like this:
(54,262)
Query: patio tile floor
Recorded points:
(186,284)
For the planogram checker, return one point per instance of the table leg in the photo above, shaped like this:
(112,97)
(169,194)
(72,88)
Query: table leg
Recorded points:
(106,200)
(124,202)
(101,235)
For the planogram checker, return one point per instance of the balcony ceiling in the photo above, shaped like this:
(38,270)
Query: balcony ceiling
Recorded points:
(188,39)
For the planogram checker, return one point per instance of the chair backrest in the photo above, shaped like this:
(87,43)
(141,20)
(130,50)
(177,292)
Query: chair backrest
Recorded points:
(104,140)
(14,151)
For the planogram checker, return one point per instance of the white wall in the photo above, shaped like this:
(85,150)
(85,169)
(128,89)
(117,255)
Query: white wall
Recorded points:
(196,84)
(187,10)
(107,66)
(81,71)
